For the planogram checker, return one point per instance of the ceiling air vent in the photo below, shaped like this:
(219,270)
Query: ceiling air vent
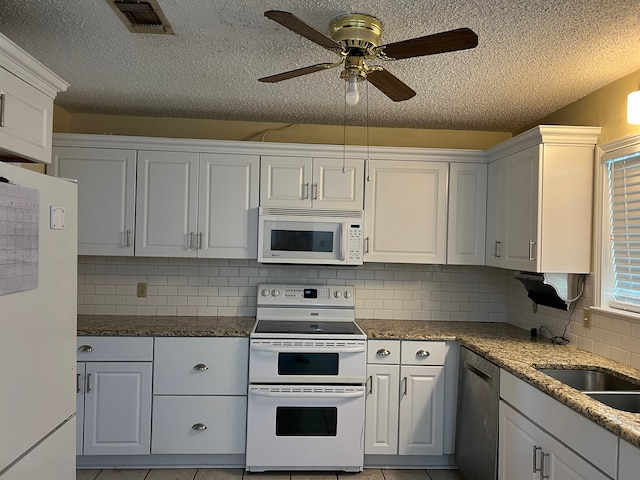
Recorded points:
(142,16)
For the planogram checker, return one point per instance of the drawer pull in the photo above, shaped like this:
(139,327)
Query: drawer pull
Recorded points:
(199,426)
(201,367)
(86,348)
(422,353)
(383,352)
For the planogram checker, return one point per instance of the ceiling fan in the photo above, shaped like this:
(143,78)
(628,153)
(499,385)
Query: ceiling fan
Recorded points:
(356,38)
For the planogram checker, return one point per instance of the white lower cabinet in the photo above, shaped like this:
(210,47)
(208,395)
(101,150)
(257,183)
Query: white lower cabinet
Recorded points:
(528,452)
(405,412)
(114,396)
(200,395)
(629,466)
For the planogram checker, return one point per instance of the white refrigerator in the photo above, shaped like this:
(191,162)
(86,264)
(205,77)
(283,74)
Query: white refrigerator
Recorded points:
(38,331)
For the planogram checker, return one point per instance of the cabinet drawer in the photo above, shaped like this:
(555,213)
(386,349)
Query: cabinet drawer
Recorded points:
(201,366)
(199,424)
(423,353)
(115,349)
(376,351)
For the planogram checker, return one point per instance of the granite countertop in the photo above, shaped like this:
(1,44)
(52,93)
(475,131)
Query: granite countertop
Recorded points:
(506,345)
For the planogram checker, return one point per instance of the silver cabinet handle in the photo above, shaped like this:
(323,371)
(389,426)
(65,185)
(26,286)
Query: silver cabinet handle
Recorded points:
(542,474)
(498,251)
(128,238)
(201,367)
(366,245)
(305,191)
(383,352)
(2,102)
(315,191)
(370,382)
(532,245)
(191,240)
(535,458)
(200,235)
(422,353)
(199,426)
(77,383)
(85,348)
(88,383)
(404,390)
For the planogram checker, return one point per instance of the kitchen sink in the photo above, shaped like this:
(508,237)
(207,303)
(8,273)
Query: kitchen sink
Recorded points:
(627,401)
(590,380)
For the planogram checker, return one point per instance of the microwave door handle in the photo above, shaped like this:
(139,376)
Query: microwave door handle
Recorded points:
(269,348)
(357,393)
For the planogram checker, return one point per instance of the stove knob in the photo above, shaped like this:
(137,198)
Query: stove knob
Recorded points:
(266,293)
(347,294)
(337,294)
(275,293)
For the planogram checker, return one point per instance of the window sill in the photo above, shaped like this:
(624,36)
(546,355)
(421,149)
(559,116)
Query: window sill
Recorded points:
(614,312)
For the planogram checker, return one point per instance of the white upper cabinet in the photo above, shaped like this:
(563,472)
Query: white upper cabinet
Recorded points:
(304,182)
(167,204)
(27,91)
(467,213)
(540,200)
(106,196)
(406,212)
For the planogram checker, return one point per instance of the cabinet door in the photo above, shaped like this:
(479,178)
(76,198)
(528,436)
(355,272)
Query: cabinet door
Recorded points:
(421,410)
(166,204)
(560,463)
(381,414)
(337,184)
(285,181)
(117,410)
(629,461)
(467,213)
(520,445)
(80,382)
(521,210)
(28,119)
(495,213)
(199,424)
(228,206)
(106,197)
(406,212)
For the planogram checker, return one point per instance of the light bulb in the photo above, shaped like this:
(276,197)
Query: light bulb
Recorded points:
(352,96)
(633,108)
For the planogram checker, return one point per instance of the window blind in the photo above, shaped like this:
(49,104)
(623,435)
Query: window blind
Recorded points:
(624,204)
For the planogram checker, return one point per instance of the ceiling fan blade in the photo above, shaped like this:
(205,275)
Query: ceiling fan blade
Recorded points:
(296,25)
(390,85)
(450,41)
(297,72)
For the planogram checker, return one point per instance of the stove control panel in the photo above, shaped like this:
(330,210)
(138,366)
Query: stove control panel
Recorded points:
(299,295)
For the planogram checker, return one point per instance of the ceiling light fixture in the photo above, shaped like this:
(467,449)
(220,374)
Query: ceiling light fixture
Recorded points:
(352,96)
(633,107)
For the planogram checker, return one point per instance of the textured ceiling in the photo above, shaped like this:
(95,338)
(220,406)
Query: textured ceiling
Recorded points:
(533,57)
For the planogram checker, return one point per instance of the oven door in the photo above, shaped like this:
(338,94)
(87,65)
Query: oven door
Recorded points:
(305,427)
(307,361)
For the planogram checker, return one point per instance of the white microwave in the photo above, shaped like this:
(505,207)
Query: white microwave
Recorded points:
(321,237)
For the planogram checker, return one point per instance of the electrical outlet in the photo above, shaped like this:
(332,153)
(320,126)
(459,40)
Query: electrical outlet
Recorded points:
(142,290)
(587,318)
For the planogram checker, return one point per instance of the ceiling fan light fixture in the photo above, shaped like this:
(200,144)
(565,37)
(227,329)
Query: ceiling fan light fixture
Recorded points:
(352,96)
(633,107)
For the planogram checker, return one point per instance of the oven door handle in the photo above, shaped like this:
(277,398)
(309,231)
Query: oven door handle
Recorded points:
(359,393)
(323,349)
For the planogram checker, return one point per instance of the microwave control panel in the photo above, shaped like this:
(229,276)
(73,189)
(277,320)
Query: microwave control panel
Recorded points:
(354,243)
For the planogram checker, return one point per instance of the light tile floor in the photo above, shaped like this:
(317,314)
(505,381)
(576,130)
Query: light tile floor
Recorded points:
(239,474)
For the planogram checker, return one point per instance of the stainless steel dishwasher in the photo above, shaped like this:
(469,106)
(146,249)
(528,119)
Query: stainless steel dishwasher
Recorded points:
(476,453)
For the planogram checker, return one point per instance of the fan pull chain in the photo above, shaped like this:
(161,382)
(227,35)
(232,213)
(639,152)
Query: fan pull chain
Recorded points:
(367,160)
(344,131)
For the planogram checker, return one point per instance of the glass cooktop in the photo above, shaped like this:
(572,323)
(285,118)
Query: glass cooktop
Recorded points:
(307,327)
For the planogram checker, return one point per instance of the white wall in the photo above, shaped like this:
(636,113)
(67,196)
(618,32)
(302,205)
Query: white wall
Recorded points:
(203,287)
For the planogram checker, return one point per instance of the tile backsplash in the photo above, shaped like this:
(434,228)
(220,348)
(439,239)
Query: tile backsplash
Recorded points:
(212,287)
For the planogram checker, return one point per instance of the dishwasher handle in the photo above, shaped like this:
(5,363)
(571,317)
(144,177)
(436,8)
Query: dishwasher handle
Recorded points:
(480,373)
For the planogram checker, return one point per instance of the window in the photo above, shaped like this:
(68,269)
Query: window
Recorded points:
(620,274)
